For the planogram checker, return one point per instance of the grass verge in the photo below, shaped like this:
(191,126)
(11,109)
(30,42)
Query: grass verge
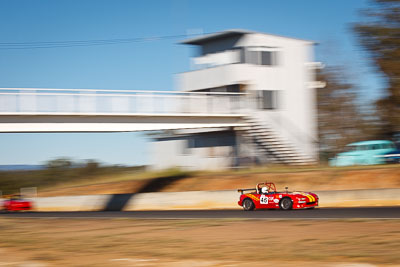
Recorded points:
(81,242)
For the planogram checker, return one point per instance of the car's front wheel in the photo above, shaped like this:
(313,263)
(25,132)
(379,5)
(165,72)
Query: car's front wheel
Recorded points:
(286,204)
(248,204)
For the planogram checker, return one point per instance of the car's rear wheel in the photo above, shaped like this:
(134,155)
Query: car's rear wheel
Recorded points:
(286,204)
(248,204)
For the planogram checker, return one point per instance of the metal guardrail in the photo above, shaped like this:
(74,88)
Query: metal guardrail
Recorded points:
(14,101)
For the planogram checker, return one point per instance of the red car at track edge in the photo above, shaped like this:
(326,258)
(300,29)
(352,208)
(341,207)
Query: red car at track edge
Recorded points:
(265,196)
(16,203)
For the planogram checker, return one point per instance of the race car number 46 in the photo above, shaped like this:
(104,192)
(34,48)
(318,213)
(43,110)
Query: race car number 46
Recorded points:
(263,199)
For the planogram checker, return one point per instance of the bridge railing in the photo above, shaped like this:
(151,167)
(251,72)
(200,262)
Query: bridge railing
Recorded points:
(93,101)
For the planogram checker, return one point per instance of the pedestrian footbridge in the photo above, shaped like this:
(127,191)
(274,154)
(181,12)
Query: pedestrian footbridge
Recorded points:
(90,110)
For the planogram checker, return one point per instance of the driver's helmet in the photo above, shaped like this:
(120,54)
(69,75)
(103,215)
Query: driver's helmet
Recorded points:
(264,190)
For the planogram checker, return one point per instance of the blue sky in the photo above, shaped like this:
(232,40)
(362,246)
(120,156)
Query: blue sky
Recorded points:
(148,65)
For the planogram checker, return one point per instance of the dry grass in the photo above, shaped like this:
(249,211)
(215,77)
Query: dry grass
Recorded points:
(305,178)
(128,242)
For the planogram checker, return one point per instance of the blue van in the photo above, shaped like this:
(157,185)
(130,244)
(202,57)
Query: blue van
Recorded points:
(364,153)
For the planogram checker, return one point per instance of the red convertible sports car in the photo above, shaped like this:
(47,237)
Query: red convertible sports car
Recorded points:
(265,196)
(16,203)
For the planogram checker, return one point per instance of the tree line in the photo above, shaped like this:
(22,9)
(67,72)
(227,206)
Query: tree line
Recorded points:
(341,117)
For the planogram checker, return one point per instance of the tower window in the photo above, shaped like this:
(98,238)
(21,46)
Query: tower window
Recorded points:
(268,99)
(260,57)
(266,58)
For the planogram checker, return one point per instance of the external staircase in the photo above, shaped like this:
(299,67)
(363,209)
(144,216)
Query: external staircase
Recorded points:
(270,144)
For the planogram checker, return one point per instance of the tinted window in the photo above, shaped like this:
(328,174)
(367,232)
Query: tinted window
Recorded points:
(376,146)
(388,146)
(268,99)
(266,58)
(253,57)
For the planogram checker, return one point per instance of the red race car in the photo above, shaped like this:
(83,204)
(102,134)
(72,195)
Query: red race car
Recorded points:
(16,203)
(265,196)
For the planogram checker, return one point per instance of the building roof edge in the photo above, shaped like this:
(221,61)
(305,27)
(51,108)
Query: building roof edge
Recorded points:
(232,32)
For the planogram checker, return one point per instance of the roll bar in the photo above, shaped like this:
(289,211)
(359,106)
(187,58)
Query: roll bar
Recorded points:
(271,187)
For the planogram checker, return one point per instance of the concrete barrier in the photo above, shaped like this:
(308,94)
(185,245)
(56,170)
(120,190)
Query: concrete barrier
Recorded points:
(71,203)
(226,199)
(353,198)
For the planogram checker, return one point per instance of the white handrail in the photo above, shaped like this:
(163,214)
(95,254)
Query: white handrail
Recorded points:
(121,91)
(41,100)
(106,95)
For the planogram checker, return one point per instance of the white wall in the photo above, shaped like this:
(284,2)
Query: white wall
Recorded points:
(174,153)
(216,59)
(214,77)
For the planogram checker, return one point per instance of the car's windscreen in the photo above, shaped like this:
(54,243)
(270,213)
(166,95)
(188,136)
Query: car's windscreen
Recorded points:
(350,148)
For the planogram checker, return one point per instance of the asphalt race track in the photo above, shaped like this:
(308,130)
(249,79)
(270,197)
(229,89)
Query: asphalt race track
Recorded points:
(318,213)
